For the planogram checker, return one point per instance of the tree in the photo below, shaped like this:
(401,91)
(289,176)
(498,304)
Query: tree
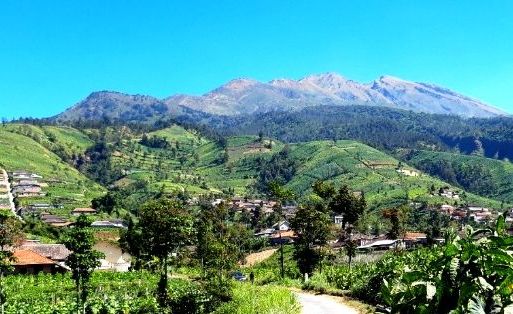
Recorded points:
(10,235)
(166,228)
(131,241)
(83,259)
(346,203)
(397,217)
(324,189)
(311,225)
(220,245)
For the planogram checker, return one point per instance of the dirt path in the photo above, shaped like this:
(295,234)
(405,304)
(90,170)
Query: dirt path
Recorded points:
(322,304)
(256,258)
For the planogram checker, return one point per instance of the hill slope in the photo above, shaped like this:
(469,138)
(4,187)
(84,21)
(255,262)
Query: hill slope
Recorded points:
(201,166)
(66,185)
(483,176)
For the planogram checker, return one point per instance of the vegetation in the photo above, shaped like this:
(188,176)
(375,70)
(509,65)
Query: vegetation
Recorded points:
(166,227)
(10,235)
(83,259)
(483,176)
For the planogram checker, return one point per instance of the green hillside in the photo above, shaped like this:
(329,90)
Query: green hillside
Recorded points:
(199,166)
(480,175)
(66,185)
(383,179)
(193,163)
(63,140)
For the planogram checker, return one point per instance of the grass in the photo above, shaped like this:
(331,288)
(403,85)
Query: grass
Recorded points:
(253,299)
(72,188)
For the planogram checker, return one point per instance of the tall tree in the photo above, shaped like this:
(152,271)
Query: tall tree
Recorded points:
(346,203)
(166,228)
(311,225)
(83,259)
(220,245)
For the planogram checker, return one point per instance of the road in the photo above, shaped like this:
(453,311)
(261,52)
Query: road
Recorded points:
(322,304)
(9,192)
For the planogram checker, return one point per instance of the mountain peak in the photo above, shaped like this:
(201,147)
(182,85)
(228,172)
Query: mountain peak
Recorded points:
(243,96)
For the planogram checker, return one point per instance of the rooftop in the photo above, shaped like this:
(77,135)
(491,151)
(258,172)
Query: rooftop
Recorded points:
(28,257)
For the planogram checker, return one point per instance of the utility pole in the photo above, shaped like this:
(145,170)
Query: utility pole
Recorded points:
(281,255)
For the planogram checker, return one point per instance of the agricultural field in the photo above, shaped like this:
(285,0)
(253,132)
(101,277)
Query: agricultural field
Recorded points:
(198,165)
(65,184)
(109,294)
(369,170)
(484,176)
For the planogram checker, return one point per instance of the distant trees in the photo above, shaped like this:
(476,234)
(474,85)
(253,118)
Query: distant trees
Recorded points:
(83,259)
(349,204)
(154,141)
(281,168)
(398,217)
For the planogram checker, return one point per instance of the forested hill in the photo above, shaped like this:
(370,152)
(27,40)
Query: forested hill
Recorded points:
(382,128)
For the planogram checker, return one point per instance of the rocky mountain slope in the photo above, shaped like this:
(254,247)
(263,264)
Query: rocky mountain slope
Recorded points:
(246,96)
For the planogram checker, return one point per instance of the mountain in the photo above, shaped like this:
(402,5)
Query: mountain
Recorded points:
(121,107)
(246,96)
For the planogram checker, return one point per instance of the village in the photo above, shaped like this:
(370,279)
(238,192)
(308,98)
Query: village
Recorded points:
(33,256)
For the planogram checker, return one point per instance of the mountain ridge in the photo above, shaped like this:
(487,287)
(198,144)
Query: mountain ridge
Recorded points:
(243,96)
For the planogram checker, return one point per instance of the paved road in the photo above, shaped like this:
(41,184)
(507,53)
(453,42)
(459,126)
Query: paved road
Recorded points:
(9,192)
(322,304)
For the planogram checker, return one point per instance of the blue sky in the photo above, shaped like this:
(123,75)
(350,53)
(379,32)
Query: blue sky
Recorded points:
(54,53)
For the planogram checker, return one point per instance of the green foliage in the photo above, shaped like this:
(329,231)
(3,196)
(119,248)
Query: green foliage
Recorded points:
(494,175)
(110,292)
(281,168)
(10,235)
(311,225)
(250,299)
(166,227)
(466,274)
(83,259)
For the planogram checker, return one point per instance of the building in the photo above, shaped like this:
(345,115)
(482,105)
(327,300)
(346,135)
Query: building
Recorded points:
(55,221)
(282,225)
(30,262)
(27,190)
(381,245)
(109,224)
(83,211)
(56,252)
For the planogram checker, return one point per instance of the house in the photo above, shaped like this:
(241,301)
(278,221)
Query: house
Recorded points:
(282,237)
(381,245)
(25,182)
(109,224)
(338,219)
(447,209)
(55,221)
(27,190)
(56,252)
(412,239)
(84,211)
(266,233)
(477,208)
(30,262)
(282,225)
